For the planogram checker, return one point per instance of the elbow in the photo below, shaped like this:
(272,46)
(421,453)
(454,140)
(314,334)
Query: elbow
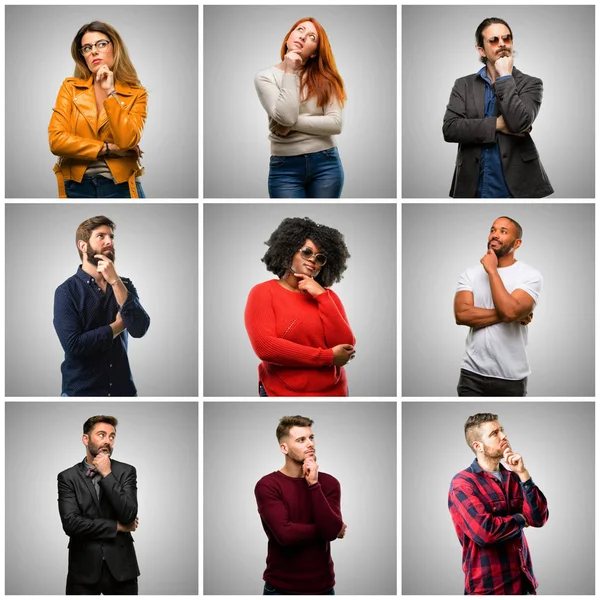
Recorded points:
(285,120)
(139,330)
(448,132)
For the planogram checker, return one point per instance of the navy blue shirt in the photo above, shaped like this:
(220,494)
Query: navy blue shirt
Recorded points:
(491,176)
(96,364)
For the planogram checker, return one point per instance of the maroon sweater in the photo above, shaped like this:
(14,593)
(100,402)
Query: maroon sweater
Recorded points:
(299,521)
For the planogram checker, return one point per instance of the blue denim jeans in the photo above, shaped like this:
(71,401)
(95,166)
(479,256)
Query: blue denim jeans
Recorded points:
(261,391)
(314,175)
(99,187)
(269,590)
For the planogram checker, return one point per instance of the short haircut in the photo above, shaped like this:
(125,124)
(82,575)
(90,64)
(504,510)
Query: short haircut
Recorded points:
(89,425)
(286,423)
(84,231)
(519,228)
(484,25)
(472,431)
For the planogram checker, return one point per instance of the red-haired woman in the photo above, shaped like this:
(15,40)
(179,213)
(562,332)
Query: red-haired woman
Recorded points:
(303,96)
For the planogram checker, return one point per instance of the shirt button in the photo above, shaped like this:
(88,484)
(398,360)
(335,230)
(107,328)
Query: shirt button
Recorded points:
(110,384)
(109,394)
(110,365)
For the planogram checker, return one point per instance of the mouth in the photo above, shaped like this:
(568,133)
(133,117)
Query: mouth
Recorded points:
(310,452)
(309,267)
(96,61)
(299,44)
(495,242)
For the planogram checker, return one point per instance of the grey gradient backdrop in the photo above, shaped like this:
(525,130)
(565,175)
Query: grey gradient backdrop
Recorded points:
(556,440)
(439,242)
(440,41)
(234,237)
(156,247)
(163,45)
(157,438)
(240,41)
(355,442)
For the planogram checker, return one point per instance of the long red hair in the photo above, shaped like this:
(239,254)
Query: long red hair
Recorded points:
(319,75)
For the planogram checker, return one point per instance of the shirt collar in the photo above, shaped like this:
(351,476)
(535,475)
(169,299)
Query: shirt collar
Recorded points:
(476,467)
(483,74)
(85,277)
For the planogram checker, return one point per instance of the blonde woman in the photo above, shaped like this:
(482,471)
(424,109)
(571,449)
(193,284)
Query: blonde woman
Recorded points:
(97,123)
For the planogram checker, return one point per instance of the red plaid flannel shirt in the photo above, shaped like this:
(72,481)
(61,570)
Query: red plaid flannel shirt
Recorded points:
(487,516)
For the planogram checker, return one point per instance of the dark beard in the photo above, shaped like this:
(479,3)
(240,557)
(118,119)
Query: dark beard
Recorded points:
(95,450)
(95,261)
(503,250)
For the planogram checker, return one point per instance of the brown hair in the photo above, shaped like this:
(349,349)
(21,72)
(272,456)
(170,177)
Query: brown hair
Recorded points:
(84,231)
(484,25)
(472,433)
(89,425)
(286,423)
(319,75)
(123,68)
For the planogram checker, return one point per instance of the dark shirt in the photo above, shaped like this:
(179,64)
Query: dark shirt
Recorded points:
(491,176)
(96,364)
(489,517)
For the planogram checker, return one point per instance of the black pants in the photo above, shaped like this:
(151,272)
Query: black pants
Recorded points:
(472,384)
(106,585)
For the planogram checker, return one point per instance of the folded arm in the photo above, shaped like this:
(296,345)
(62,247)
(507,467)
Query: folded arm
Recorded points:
(535,506)
(135,318)
(326,510)
(519,108)
(62,141)
(510,307)
(122,495)
(282,104)
(259,318)
(73,339)
(473,519)
(126,123)
(466,313)
(334,320)
(274,513)
(458,128)
(330,123)
(76,525)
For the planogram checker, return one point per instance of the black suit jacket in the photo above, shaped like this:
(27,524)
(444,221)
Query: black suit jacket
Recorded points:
(518,100)
(91,524)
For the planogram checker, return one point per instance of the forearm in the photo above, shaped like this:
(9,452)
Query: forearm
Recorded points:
(122,497)
(535,506)
(328,124)
(281,104)
(284,353)
(87,343)
(328,520)
(469,131)
(335,326)
(135,318)
(126,126)
(119,290)
(74,146)
(508,308)
(472,316)
(518,110)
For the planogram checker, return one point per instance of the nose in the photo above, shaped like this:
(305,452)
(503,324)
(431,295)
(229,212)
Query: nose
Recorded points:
(502,435)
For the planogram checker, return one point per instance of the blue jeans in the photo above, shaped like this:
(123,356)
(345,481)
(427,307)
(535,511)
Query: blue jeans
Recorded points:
(269,590)
(314,175)
(99,187)
(261,391)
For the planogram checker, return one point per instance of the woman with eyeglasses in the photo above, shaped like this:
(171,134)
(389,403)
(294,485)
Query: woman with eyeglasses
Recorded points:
(303,96)
(97,123)
(297,325)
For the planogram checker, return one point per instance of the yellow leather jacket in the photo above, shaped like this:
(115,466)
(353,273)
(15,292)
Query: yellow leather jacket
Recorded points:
(77,133)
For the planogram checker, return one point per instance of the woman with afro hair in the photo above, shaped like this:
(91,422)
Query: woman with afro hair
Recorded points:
(296,324)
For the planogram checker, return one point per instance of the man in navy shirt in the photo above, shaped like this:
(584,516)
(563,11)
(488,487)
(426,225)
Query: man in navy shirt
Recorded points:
(95,311)
(490,115)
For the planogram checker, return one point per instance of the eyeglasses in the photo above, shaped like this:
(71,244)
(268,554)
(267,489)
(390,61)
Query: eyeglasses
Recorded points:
(320,259)
(102,45)
(493,41)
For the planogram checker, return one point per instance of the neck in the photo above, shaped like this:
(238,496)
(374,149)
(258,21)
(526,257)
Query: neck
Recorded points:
(507,260)
(291,468)
(89,459)
(289,280)
(488,464)
(90,269)
(491,72)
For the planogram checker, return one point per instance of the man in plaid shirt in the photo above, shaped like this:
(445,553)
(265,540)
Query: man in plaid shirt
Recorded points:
(490,506)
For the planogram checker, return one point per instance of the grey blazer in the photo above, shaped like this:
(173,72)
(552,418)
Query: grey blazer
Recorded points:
(518,100)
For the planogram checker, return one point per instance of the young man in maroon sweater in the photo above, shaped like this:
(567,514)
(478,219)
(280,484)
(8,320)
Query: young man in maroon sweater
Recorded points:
(300,512)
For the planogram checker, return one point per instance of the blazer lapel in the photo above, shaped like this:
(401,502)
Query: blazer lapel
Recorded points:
(479,96)
(89,484)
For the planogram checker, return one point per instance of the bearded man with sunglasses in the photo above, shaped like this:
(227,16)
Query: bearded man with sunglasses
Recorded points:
(490,115)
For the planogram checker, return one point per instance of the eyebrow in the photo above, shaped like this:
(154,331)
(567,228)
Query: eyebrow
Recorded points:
(312,32)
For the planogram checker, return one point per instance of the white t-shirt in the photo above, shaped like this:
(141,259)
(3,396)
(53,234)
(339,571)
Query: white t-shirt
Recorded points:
(499,350)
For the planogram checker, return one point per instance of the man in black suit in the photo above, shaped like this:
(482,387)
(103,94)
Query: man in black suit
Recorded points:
(490,115)
(97,502)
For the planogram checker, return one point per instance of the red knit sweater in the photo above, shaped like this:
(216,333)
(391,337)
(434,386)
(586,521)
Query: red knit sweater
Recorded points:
(300,522)
(293,334)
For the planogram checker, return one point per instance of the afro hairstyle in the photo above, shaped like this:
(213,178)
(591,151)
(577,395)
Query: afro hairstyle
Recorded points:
(292,234)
